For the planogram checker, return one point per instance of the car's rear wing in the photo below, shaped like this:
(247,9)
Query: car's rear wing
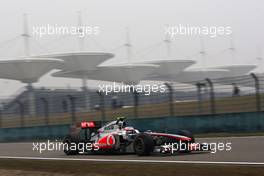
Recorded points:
(90,124)
(87,124)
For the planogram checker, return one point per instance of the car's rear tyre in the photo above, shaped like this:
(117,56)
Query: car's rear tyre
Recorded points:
(68,147)
(143,144)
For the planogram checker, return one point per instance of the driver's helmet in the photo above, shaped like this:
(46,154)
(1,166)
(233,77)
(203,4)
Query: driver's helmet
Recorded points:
(121,122)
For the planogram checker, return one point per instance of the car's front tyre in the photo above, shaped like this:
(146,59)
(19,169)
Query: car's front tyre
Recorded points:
(189,135)
(143,144)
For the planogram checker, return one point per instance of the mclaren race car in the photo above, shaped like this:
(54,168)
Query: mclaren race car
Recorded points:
(117,137)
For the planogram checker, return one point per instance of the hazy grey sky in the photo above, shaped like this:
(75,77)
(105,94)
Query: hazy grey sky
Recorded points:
(145,19)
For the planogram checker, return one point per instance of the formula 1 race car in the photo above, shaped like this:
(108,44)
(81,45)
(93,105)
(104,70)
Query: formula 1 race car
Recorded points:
(117,137)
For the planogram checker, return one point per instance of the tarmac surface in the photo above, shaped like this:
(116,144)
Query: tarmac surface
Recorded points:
(243,149)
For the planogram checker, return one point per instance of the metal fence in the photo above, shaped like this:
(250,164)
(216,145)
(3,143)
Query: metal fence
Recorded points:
(49,106)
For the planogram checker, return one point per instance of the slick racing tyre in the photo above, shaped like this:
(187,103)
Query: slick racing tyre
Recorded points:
(68,145)
(143,144)
(187,134)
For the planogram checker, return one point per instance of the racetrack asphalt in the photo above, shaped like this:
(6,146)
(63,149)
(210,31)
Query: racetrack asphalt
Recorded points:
(244,149)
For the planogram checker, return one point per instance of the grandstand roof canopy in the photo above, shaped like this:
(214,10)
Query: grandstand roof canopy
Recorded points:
(162,70)
(237,70)
(169,67)
(198,74)
(192,76)
(27,70)
(129,73)
(80,61)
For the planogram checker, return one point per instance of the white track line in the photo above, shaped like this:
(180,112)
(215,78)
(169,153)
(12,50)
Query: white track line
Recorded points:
(132,160)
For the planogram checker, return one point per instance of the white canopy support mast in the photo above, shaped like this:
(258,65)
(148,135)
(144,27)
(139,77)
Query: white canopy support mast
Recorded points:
(26,36)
